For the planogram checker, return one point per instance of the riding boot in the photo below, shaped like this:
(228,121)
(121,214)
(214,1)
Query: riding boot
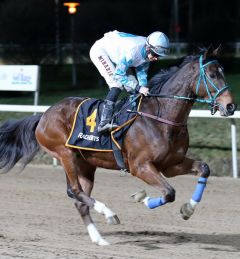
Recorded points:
(106,117)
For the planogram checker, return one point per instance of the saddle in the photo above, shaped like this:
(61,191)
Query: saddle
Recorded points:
(84,134)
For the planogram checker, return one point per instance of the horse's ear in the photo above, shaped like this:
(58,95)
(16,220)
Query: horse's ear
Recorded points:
(218,50)
(208,52)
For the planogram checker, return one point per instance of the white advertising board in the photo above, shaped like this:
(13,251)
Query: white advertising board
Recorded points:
(19,78)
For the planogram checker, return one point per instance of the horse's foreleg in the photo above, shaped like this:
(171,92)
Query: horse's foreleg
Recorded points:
(149,174)
(191,166)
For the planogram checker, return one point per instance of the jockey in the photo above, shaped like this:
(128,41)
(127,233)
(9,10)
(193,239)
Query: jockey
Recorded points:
(115,56)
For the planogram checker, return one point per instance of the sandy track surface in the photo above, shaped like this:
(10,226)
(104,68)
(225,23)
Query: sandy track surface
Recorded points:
(38,220)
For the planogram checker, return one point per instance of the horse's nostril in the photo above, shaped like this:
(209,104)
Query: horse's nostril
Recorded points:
(231,108)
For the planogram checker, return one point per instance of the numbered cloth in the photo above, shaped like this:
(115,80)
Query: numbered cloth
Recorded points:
(84,134)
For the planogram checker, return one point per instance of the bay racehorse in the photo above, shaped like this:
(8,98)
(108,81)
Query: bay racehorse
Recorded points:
(154,147)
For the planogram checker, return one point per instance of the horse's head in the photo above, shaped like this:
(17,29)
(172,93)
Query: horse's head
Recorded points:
(209,84)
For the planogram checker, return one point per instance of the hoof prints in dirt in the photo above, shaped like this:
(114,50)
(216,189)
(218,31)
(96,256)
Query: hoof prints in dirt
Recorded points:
(154,240)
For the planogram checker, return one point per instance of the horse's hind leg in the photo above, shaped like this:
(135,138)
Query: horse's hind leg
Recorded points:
(87,185)
(87,182)
(80,178)
(52,140)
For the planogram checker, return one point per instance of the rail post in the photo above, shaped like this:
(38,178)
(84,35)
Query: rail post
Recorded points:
(234,148)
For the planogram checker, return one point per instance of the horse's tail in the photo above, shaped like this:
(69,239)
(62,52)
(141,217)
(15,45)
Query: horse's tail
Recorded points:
(18,142)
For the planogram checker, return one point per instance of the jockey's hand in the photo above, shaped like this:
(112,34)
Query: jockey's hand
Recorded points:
(144,90)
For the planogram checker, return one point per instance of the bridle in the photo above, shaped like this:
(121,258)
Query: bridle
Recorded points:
(205,79)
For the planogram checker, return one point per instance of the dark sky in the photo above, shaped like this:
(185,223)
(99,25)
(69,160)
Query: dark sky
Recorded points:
(205,20)
(200,21)
(30,24)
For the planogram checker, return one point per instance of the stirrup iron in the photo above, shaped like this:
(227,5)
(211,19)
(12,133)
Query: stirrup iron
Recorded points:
(106,122)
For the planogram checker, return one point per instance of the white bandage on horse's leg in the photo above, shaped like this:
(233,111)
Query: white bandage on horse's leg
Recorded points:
(193,203)
(101,208)
(95,235)
(145,201)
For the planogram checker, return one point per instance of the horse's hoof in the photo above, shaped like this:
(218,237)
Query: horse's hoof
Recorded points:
(139,196)
(101,242)
(186,211)
(114,220)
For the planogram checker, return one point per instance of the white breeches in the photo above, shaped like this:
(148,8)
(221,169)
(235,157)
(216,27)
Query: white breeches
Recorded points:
(106,67)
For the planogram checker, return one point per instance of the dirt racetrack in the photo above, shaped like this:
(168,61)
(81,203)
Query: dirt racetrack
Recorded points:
(38,220)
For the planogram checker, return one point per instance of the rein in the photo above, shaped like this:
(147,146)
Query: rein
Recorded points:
(133,99)
(172,123)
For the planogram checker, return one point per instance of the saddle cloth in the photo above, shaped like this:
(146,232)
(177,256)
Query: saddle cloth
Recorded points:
(84,134)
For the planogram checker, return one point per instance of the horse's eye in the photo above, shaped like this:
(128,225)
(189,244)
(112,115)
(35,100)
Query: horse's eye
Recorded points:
(212,76)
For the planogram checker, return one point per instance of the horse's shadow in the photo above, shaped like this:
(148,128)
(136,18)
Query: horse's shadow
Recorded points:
(154,239)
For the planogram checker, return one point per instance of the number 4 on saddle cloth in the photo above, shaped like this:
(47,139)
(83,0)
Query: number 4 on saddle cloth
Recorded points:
(84,134)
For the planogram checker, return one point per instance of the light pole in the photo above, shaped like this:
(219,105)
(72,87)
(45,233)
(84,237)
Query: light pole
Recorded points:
(72,9)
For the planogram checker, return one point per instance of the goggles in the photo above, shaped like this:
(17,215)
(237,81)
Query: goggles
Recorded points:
(158,51)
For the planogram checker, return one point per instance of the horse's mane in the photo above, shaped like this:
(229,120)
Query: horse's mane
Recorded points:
(157,82)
